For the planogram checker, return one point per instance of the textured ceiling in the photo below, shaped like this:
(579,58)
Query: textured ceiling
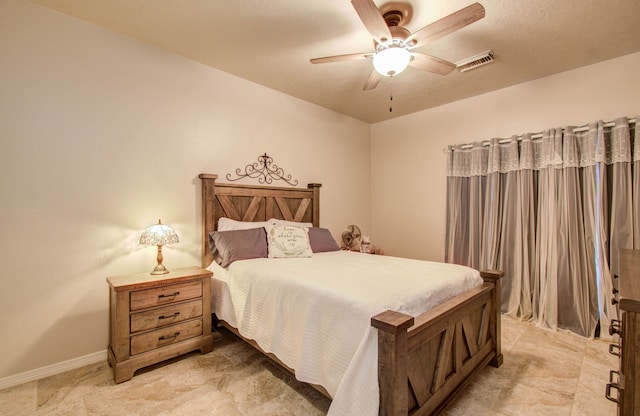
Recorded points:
(270,43)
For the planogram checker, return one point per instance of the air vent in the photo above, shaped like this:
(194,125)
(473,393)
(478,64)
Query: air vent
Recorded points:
(475,61)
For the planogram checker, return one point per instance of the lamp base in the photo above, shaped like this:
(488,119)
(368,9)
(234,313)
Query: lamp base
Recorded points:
(160,269)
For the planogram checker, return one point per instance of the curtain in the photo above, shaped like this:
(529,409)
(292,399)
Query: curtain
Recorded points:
(551,211)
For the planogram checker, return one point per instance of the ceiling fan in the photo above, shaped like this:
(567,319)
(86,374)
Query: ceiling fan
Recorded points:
(394,43)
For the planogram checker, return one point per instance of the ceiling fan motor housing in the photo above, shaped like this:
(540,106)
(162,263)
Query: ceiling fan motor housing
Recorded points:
(396,15)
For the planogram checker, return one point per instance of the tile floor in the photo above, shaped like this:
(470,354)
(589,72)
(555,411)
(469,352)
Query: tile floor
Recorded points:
(544,373)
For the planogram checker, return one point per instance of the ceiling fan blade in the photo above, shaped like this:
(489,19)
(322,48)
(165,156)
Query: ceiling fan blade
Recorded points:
(431,64)
(372,19)
(446,25)
(337,58)
(372,81)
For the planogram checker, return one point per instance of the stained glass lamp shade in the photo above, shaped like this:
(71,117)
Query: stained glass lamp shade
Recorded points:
(159,235)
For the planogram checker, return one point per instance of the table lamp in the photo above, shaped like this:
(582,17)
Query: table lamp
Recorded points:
(159,235)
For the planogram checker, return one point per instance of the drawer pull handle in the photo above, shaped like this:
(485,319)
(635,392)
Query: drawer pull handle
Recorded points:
(615,291)
(166,337)
(178,313)
(614,301)
(615,347)
(614,328)
(608,392)
(171,295)
(617,375)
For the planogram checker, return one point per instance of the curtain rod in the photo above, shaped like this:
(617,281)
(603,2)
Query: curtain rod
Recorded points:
(539,135)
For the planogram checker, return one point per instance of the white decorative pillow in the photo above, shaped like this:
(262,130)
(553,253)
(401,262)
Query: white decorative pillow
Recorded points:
(288,241)
(227,224)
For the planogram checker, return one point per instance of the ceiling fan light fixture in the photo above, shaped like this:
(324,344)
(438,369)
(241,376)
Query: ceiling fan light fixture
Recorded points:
(391,60)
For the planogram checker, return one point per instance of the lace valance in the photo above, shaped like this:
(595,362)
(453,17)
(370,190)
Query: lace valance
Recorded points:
(556,148)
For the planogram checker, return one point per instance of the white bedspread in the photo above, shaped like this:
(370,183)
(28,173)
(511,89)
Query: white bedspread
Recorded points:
(314,313)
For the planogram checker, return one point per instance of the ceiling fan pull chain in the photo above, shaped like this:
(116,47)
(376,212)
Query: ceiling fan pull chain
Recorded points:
(391,94)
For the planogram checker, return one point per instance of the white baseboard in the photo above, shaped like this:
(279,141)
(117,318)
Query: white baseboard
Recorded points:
(53,369)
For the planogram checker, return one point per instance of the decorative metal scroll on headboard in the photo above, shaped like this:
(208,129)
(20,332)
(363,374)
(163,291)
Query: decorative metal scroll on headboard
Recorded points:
(265,170)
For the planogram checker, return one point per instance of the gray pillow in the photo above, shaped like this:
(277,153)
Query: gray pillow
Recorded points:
(321,240)
(229,246)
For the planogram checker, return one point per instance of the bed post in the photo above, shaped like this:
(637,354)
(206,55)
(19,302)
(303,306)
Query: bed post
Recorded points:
(393,361)
(208,221)
(495,277)
(315,214)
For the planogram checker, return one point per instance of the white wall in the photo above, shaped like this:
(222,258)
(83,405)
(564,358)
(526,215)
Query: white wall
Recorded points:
(409,167)
(101,136)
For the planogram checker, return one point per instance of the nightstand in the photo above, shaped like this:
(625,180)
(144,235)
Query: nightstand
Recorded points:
(156,317)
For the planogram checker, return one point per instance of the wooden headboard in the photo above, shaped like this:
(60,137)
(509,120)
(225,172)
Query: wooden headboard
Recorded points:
(254,203)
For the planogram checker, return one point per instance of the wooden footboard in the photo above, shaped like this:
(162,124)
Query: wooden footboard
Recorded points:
(424,362)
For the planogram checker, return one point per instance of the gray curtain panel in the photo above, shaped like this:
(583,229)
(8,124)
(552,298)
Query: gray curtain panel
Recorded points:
(551,210)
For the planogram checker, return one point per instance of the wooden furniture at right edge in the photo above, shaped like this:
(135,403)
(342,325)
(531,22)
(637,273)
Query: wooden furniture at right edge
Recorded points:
(626,380)
(423,361)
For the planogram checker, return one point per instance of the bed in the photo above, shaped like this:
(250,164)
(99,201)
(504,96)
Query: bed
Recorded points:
(406,363)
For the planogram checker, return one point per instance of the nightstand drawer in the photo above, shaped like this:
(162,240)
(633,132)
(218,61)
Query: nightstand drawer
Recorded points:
(148,298)
(165,336)
(167,315)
